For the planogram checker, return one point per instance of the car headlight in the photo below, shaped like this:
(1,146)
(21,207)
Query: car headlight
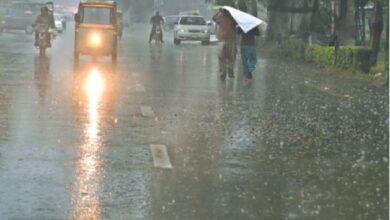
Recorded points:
(95,40)
(182,30)
(206,30)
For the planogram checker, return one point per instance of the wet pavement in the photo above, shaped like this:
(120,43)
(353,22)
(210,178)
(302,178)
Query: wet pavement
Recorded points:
(88,141)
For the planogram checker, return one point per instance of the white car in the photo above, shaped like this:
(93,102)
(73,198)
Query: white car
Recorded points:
(191,27)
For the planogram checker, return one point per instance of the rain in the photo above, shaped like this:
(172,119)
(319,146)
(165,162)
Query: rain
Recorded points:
(194,109)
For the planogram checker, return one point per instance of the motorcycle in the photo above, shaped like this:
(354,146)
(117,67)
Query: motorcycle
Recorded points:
(44,38)
(158,34)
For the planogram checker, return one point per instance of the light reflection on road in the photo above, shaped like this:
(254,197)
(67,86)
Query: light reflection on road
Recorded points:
(86,201)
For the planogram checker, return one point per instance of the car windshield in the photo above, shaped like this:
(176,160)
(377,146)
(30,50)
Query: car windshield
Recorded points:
(97,15)
(192,21)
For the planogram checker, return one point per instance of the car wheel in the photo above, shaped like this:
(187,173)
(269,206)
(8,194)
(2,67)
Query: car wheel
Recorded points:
(205,42)
(176,41)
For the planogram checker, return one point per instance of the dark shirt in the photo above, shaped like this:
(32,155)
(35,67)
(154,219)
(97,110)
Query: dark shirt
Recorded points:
(45,19)
(156,20)
(248,39)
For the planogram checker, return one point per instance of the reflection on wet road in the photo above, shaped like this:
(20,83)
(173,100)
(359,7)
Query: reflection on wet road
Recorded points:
(75,140)
(86,204)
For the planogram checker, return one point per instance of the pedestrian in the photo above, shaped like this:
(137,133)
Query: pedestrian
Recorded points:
(248,51)
(226,34)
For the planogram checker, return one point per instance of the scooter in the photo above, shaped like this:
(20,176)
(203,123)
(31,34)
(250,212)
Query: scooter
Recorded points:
(158,34)
(44,38)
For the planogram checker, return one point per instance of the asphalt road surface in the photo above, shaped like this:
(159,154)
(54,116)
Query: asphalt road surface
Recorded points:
(159,136)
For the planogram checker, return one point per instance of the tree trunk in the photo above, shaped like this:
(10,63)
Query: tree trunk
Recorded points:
(254,8)
(289,17)
(242,5)
(377,28)
(387,50)
(346,24)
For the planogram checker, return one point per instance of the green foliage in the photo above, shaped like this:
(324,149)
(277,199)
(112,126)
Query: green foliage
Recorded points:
(347,57)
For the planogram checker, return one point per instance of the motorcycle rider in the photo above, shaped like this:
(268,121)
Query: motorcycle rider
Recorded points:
(45,19)
(156,20)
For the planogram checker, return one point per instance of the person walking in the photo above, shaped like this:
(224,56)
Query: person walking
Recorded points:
(248,51)
(227,48)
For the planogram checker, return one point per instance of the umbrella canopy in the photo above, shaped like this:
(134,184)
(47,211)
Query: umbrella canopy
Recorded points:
(246,21)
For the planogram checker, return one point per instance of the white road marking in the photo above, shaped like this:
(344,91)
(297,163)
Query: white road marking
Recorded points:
(147,111)
(139,88)
(160,156)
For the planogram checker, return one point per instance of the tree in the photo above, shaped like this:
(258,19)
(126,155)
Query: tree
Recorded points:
(289,17)
(254,8)
(346,29)
(241,5)
(387,49)
(224,2)
(376,30)
(360,19)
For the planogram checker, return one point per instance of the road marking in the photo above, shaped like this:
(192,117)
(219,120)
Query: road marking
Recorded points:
(139,88)
(160,156)
(147,111)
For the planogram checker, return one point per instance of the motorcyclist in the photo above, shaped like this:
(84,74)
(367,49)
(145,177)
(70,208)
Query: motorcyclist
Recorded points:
(46,20)
(156,20)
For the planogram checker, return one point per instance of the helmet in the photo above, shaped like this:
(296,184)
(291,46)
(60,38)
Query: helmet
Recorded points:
(44,9)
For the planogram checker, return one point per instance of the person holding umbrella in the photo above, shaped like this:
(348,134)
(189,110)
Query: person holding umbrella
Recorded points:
(227,48)
(248,27)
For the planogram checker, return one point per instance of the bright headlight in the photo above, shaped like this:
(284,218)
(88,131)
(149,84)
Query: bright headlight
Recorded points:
(95,39)
(182,30)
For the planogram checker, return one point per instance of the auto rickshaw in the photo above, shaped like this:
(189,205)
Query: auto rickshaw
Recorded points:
(119,19)
(96,30)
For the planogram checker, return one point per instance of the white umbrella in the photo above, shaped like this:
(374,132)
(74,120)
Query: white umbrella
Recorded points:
(246,21)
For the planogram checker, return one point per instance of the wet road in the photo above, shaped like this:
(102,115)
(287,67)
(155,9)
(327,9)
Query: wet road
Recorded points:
(86,142)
